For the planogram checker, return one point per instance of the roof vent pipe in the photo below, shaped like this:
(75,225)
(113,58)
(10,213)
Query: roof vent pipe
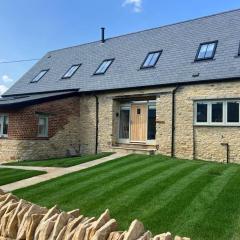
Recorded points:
(103,34)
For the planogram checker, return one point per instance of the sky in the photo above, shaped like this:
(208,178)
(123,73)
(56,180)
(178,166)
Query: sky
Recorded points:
(30,28)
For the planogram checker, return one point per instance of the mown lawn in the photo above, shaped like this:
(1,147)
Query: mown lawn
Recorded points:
(60,162)
(10,175)
(192,198)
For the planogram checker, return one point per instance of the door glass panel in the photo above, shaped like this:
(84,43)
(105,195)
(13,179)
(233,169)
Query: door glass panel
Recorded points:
(151,122)
(124,123)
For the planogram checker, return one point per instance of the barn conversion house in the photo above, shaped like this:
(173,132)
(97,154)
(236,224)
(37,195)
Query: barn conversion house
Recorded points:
(173,90)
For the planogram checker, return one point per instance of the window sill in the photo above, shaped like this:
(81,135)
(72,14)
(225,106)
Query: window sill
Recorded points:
(216,125)
(4,137)
(42,138)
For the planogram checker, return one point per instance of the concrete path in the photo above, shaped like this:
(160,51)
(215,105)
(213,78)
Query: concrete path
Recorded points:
(53,172)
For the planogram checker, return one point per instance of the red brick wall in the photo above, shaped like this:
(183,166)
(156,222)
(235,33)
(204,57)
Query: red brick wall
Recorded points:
(23,122)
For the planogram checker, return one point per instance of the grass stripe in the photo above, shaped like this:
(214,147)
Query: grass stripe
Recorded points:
(99,179)
(81,176)
(60,162)
(219,220)
(14,175)
(185,223)
(193,198)
(139,203)
(114,187)
(179,202)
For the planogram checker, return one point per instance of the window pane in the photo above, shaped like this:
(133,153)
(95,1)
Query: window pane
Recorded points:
(71,71)
(148,60)
(1,125)
(202,112)
(39,76)
(151,122)
(151,59)
(5,125)
(43,126)
(217,112)
(104,66)
(206,50)
(124,123)
(202,51)
(209,51)
(233,112)
(154,59)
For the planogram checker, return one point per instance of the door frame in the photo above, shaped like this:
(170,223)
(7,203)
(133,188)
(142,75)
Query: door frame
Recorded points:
(129,104)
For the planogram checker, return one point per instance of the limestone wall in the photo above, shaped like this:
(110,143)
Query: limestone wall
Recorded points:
(23,220)
(207,139)
(190,141)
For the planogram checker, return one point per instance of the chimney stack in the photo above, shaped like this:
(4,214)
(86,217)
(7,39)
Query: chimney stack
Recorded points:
(103,34)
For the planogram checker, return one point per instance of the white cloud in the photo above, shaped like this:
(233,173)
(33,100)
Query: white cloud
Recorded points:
(7,79)
(3,89)
(137,5)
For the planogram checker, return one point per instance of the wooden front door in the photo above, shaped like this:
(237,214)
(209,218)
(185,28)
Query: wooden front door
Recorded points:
(138,122)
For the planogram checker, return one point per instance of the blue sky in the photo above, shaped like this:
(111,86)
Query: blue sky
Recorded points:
(31,28)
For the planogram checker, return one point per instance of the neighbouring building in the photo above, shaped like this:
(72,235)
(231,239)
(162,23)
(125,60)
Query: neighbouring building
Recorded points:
(173,90)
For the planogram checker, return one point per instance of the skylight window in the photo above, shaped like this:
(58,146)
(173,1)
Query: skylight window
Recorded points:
(239,49)
(39,76)
(71,71)
(206,51)
(151,59)
(104,66)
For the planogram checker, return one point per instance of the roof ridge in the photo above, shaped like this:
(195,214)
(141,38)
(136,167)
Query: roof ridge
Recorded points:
(150,29)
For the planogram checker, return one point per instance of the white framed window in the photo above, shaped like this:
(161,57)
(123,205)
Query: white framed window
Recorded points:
(217,113)
(3,125)
(42,126)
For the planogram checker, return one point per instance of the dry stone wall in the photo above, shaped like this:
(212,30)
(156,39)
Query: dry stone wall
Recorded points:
(23,220)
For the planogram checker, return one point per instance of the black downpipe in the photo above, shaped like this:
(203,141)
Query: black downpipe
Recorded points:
(97,123)
(173,121)
(227,151)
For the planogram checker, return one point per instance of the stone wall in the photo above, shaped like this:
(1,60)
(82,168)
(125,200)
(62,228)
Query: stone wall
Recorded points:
(87,123)
(164,123)
(206,139)
(20,219)
(74,124)
(190,141)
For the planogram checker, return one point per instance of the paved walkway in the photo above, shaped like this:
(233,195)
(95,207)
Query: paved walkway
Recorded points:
(53,172)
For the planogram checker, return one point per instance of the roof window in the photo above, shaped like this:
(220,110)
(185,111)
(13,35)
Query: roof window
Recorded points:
(151,59)
(39,76)
(206,51)
(70,72)
(104,66)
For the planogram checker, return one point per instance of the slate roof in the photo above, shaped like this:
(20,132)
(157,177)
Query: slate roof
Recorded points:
(14,101)
(179,43)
